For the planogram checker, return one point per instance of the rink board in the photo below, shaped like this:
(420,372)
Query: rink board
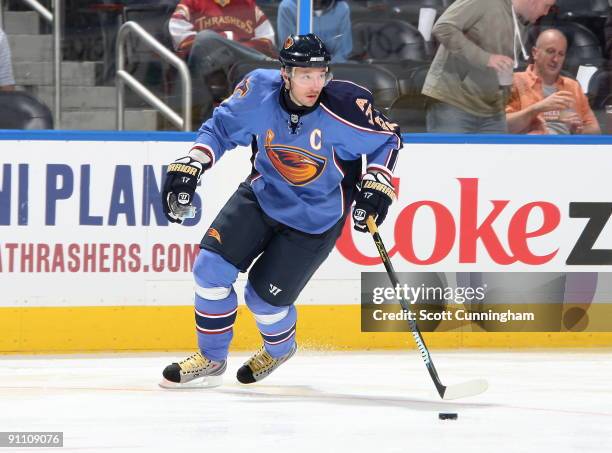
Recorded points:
(87,261)
(168,328)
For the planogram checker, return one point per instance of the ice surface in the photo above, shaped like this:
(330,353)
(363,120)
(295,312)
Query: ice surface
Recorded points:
(547,401)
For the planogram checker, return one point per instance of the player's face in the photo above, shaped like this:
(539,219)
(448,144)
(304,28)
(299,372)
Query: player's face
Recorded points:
(306,84)
(549,55)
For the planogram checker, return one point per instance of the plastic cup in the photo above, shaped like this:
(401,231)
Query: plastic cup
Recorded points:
(427,17)
(505,77)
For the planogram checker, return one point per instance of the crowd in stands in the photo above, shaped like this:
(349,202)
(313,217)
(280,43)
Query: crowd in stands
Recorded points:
(490,66)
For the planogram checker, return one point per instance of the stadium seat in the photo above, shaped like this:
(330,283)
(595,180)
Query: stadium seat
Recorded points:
(20,110)
(381,82)
(410,75)
(387,40)
(581,8)
(409,110)
(153,18)
(366,10)
(600,89)
(242,68)
(410,113)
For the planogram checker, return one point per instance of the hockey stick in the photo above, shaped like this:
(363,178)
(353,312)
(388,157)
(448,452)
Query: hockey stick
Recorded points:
(450,392)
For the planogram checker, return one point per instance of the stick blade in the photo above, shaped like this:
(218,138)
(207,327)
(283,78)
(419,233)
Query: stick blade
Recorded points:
(465,389)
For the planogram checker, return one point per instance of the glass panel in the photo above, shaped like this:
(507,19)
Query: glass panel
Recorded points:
(386,45)
(454,65)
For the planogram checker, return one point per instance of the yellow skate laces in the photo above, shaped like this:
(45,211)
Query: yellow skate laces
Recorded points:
(195,362)
(261,361)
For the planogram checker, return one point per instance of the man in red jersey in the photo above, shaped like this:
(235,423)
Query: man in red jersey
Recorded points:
(215,34)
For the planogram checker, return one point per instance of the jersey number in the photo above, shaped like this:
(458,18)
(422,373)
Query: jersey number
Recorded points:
(366,107)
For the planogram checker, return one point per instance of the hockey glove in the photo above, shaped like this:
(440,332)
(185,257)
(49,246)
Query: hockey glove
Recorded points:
(375,197)
(181,181)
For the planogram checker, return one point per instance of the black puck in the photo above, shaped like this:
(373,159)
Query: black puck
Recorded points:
(447,415)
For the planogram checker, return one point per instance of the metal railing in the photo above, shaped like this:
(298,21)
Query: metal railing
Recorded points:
(124,78)
(54,18)
(40,9)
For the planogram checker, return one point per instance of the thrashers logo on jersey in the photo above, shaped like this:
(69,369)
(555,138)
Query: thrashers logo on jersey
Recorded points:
(242,88)
(296,165)
(240,91)
(213,233)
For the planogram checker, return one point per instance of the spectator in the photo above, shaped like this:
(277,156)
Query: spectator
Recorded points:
(331,22)
(7,81)
(545,102)
(214,34)
(478,41)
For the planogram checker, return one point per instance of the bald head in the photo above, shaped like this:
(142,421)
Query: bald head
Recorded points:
(551,35)
(549,55)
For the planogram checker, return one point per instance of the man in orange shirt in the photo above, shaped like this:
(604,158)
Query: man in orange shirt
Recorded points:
(544,102)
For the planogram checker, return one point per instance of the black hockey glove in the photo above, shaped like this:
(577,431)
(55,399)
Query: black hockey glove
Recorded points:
(181,181)
(375,197)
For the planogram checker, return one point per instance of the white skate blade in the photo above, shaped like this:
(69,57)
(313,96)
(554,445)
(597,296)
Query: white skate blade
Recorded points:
(198,383)
(465,389)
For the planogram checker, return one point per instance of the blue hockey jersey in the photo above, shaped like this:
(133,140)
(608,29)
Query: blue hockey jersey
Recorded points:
(304,176)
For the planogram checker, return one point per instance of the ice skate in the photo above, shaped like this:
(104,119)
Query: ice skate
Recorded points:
(260,365)
(196,371)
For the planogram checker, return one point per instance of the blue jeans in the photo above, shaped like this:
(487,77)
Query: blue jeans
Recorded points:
(448,119)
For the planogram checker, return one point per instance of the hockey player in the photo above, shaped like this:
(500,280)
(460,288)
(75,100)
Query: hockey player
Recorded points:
(308,134)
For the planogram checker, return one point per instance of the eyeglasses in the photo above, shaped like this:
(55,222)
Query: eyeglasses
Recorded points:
(322,78)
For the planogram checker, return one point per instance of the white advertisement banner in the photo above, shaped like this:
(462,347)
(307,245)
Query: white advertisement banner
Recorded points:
(81,222)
